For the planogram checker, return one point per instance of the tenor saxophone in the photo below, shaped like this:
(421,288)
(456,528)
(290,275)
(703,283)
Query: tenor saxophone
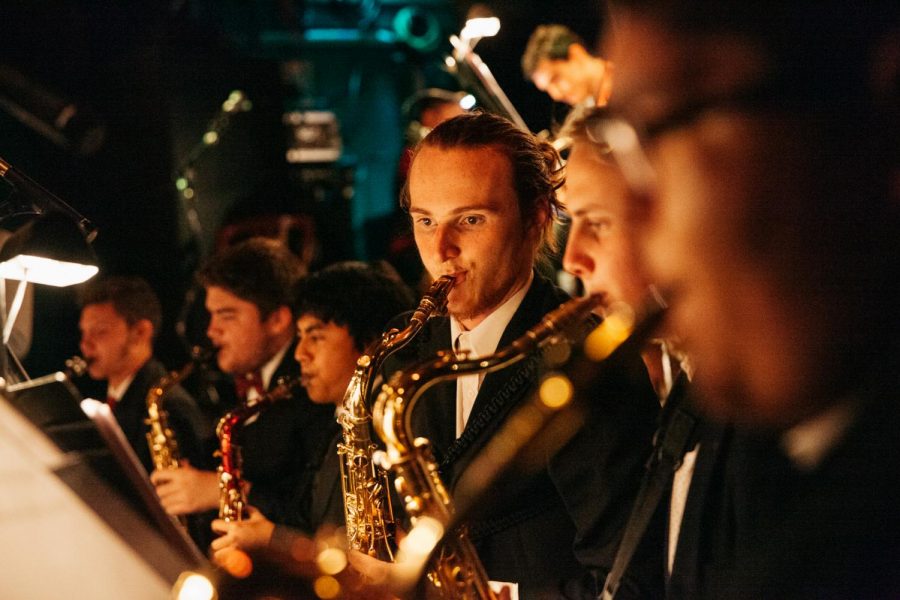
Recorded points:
(232,498)
(456,571)
(368,513)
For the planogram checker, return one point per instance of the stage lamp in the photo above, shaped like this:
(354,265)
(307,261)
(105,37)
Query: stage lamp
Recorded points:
(480,27)
(50,250)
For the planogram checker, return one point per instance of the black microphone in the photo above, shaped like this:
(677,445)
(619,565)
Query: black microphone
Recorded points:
(21,195)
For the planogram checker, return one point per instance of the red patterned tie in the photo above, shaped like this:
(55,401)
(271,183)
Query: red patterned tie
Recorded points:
(249,381)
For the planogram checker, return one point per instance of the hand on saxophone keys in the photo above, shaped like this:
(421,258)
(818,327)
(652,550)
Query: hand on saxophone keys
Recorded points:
(251,533)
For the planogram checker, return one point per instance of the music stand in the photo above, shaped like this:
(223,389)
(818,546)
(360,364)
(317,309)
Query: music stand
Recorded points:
(104,471)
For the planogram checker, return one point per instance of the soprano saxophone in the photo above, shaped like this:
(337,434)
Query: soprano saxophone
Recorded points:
(367,504)
(232,498)
(456,571)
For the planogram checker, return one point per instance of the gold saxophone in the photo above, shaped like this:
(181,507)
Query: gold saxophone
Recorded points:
(160,438)
(456,571)
(367,504)
(232,498)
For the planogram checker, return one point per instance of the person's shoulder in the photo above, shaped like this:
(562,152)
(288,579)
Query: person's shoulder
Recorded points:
(546,294)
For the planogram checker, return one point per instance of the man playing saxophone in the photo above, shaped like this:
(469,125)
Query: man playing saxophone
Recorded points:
(120,317)
(248,296)
(332,333)
(482,199)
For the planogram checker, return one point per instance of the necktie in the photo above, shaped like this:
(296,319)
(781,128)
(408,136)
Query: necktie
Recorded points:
(112,401)
(249,381)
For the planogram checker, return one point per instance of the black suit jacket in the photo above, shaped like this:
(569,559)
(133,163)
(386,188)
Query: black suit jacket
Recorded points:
(527,532)
(599,472)
(192,432)
(318,500)
(756,526)
(280,448)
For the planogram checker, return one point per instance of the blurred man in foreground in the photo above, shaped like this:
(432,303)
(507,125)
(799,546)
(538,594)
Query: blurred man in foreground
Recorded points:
(765,137)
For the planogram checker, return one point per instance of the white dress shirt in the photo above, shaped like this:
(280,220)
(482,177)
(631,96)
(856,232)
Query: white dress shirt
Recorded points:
(482,340)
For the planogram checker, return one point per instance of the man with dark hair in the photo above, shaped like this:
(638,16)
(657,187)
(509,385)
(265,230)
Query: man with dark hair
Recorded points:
(765,136)
(482,198)
(120,317)
(248,295)
(557,61)
(332,333)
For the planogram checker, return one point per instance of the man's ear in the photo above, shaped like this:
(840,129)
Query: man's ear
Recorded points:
(577,52)
(541,214)
(143,330)
(280,319)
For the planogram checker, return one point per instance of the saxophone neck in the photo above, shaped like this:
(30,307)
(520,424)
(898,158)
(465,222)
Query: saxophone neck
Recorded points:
(434,302)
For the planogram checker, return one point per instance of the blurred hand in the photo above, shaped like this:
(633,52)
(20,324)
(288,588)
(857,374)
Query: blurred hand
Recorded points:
(251,533)
(186,490)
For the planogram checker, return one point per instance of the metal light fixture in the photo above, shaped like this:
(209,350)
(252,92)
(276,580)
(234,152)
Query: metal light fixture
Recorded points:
(50,250)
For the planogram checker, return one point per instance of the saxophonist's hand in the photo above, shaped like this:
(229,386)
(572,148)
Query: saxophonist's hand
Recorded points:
(251,533)
(186,490)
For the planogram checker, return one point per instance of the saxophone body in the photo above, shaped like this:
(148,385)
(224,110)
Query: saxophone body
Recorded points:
(368,513)
(160,438)
(232,498)
(456,571)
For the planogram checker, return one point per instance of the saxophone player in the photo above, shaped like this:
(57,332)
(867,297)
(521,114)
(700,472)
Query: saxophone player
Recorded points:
(767,147)
(248,296)
(482,198)
(332,333)
(120,317)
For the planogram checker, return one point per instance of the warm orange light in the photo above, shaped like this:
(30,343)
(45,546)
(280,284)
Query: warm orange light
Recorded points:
(237,563)
(326,587)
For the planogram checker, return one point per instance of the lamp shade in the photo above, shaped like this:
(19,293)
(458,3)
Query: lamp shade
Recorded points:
(51,250)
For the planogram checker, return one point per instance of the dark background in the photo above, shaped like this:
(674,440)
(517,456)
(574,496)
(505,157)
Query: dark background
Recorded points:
(154,74)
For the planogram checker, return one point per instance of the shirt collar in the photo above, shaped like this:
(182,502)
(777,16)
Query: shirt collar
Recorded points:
(267,371)
(118,391)
(484,337)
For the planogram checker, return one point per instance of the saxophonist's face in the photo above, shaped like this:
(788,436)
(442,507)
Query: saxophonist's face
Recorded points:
(108,343)
(244,340)
(327,356)
(602,249)
(467,223)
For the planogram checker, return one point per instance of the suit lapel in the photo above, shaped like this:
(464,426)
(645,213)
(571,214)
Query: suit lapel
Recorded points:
(435,415)
(502,390)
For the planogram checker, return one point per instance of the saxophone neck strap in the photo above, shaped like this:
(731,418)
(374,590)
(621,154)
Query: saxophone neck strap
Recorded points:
(672,441)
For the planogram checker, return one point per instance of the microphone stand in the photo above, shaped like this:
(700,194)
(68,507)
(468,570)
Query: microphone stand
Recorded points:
(475,76)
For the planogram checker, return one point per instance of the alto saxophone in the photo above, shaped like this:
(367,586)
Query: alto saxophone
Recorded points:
(160,438)
(232,498)
(367,504)
(456,571)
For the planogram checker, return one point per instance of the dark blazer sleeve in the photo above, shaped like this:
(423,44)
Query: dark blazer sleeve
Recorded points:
(195,434)
(279,447)
(598,474)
